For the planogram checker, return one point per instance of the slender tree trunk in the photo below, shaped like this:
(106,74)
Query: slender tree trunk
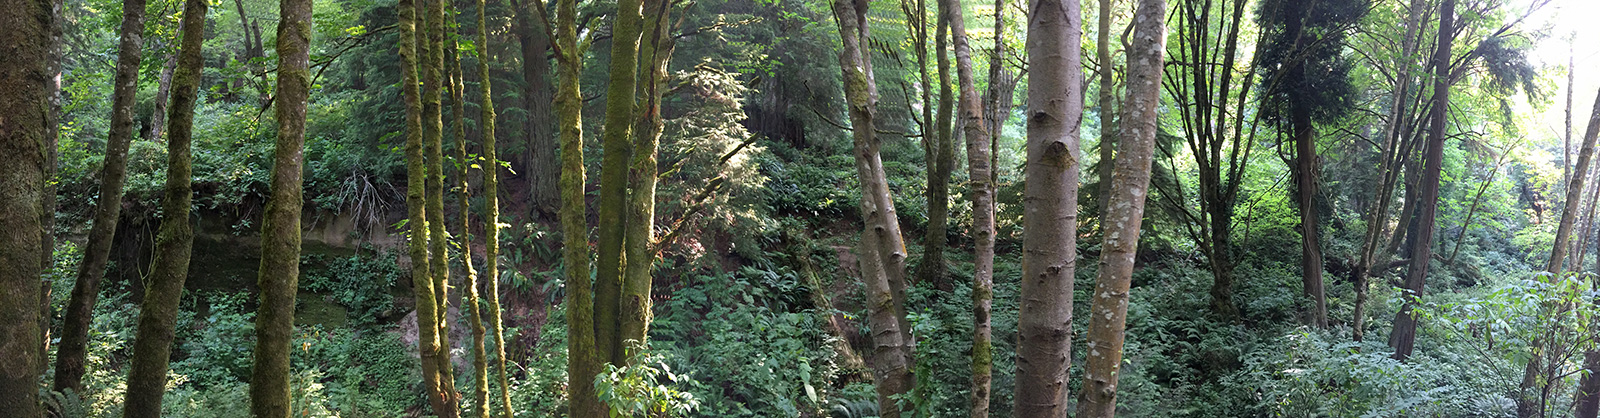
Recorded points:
(941,153)
(1530,401)
(1108,123)
(1108,311)
(1050,208)
(1404,336)
(147,380)
(108,208)
(438,241)
(882,254)
(491,202)
(1589,386)
(480,361)
(163,89)
(542,167)
(280,227)
(582,356)
(25,79)
(1306,190)
(412,44)
(47,202)
(982,196)
(614,178)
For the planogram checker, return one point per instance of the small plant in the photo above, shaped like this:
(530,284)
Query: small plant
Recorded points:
(645,389)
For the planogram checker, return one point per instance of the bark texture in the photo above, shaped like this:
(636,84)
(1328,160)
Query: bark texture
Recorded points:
(981,192)
(1108,122)
(25,79)
(79,313)
(614,179)
(428,346)
(491,202)
(1130,183)
(438,242)
(940,153)
(882,251)
(1404,336)
(1050,207)
(543,171)
(280,227)
(582,357)
(655,47)
(480,362)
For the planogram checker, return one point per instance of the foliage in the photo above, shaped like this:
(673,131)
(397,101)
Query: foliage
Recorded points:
(646,388)
(362,284)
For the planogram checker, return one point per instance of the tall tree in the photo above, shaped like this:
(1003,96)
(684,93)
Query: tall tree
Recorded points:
(1212,98)
(1050,207)
(158,313)
(79,313)
(882,251)
(939,150)
(428,344)
(982,197)
(623,78)
(1403,337)
(582,359)
(280,226)
(639,247)
(25,80)
(543,171)
(438,242)
(491,201)
(480,361)
(1108,310)
(1107,88)
(1303,54)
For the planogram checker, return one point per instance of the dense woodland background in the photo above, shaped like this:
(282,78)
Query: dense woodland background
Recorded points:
(765,208)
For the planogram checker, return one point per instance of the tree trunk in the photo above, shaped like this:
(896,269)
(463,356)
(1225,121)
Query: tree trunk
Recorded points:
(428,348)
(617,151)
(25,101)
(582,356)
(491,202)
(147,379)
(655,49)
(881,250)
(1589,386)
(542,168)
(1108,311)
(438,241)
(1404,336)
(1306,194)
(108,207)
(1050,208)
(1107,104)
(941,161)
(280,226)
(163,89)
(480,361)
(982,196)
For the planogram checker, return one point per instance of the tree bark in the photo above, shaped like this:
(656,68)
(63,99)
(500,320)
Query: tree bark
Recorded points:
(1589,386)
(941,161)
(655,49)
(1404,336)
(491,202)
(881,249)
(1050,208)
(582,356)
(543,170)
(480,361)
(1107,104)
(981,190)
(438,241)
(428,345)
(158,314)
(1108,311)
(617,151)
(163,90)
(280,226)
(79,313)
(25,79)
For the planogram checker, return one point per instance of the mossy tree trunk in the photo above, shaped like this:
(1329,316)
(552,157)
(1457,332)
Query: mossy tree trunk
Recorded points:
(79,313)
(24,135)
(491,202)
(480,364)
(617,151)
(280,229)
(655,49)
(543,171)
(1130,184)
(438,240)
(428,346)
(582,357)
(1050,208)
(881,249)
(940,152)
